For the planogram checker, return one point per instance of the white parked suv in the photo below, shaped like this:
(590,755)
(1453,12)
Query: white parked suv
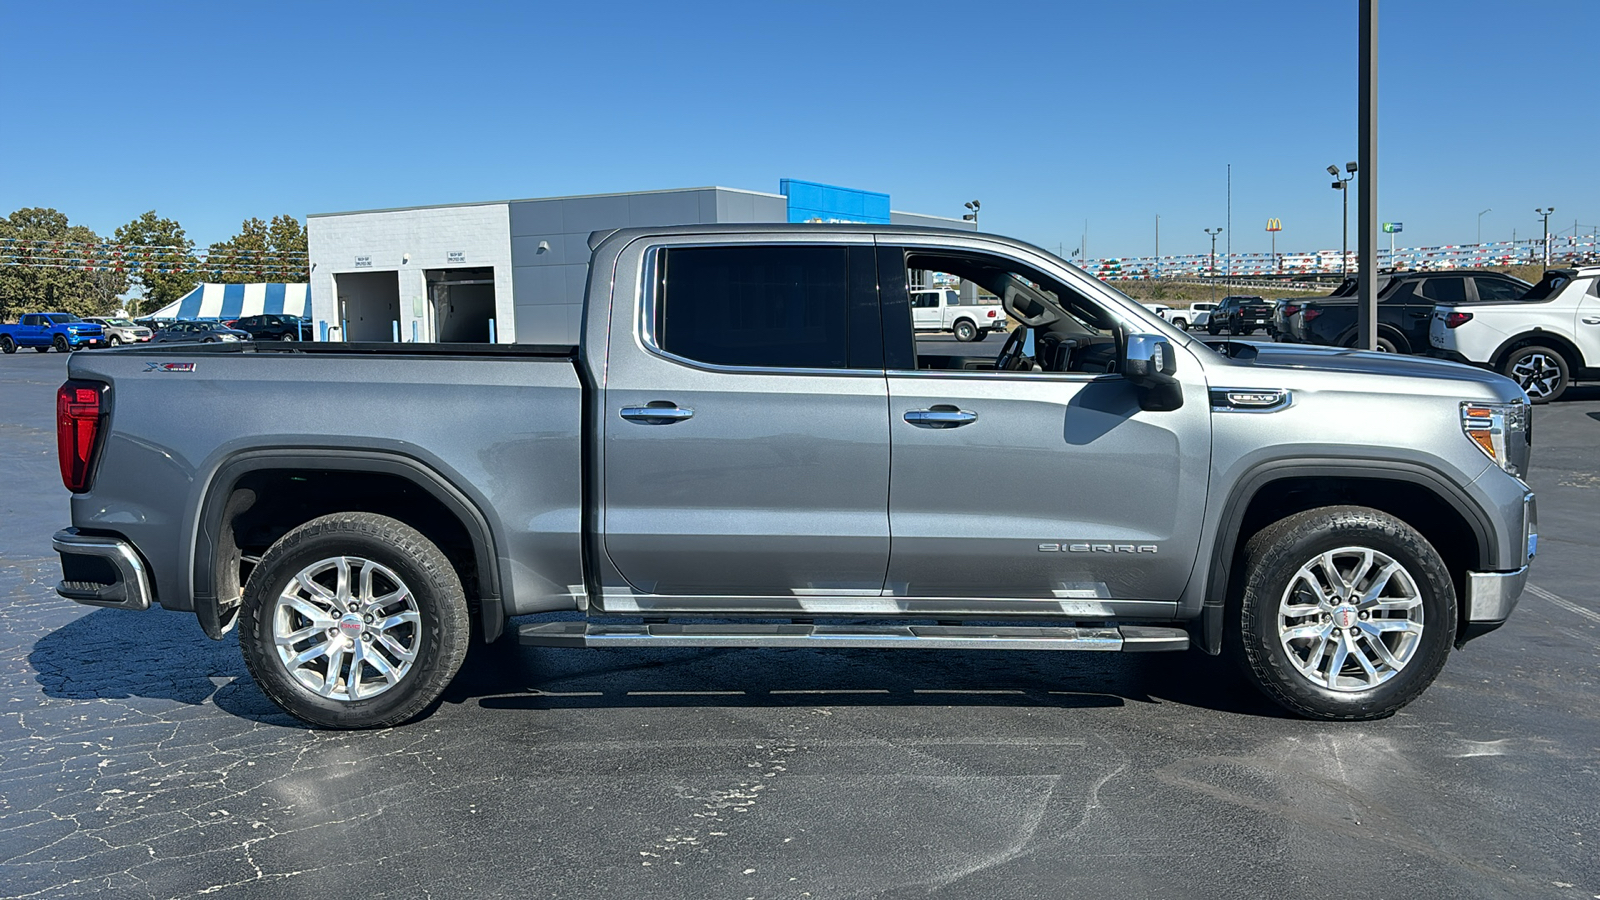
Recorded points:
(1544,340)
(941,309)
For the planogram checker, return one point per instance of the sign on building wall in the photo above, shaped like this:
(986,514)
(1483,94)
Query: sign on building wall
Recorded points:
(810,201)
(455,256)
(363,262)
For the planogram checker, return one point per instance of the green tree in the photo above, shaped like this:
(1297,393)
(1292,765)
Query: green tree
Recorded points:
(164,270)
(261,252)
(49,265)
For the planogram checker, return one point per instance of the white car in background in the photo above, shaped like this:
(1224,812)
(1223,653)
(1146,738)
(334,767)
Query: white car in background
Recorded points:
(941,309)
(1544,340)
(1195,316)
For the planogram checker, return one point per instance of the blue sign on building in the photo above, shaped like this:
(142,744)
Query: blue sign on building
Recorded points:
(813,202)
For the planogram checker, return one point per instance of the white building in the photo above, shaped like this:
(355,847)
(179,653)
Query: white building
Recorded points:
(514,270)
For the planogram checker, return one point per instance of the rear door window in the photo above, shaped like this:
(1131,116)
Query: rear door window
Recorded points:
(1444,290)
(1495,290)
(766,307)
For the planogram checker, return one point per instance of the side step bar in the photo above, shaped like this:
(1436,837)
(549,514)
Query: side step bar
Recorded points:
(1126,638)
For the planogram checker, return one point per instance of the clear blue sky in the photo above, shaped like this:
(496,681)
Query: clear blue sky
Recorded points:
(1050,113)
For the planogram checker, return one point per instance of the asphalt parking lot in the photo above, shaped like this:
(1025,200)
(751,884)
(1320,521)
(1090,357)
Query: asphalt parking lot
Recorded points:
(137,759)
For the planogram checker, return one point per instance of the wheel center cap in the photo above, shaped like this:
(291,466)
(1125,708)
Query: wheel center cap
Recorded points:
(1345,616)
(351,625)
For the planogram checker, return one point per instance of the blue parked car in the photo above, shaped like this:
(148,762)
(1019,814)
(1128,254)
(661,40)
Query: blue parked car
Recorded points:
(41,331)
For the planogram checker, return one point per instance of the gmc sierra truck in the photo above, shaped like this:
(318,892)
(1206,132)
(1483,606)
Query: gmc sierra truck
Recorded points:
(749,448)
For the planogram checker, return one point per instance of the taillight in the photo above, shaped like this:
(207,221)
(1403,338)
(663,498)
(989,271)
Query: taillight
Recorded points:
(1290,309)
(991,313)
(79,414)
(1312,313)
(1456,319)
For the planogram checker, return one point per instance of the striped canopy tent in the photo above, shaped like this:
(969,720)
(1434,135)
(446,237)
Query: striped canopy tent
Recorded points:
(233,301)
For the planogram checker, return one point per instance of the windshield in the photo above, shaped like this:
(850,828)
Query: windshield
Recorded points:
(119,323)
(60,318)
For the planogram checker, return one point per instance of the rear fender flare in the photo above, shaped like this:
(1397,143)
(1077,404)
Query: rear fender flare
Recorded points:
(205,544)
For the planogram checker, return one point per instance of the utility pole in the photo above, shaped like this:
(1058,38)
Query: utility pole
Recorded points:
(1546,214)
(1367,157)
(1227,259)
(1213,271)
(1158,245)
(1342,185)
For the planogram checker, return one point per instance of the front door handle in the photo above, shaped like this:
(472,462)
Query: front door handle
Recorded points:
(656,412)
(940,416)
(1591,320)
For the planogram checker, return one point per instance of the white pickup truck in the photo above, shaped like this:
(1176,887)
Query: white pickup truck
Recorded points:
(941,309)
(1544,340)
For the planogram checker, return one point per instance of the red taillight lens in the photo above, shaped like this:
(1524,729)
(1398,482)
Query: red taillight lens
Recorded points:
(79,413)
(991,313)
(1456,319)
(1312,313)
(1290,309)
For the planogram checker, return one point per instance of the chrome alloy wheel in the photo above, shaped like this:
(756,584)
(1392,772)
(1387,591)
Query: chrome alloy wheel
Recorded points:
(1350,619)
(347,628)
(1537,374)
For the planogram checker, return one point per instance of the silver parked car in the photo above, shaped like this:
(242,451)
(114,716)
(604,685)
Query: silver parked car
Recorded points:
(121,331)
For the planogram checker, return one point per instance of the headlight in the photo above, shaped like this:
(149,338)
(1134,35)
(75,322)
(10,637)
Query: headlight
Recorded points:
(1501,431)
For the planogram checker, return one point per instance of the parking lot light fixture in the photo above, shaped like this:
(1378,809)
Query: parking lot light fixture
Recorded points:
(1480,224)
(1545,214)
(1340,185)
(973,216)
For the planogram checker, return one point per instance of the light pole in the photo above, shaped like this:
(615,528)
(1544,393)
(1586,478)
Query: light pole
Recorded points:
(1480,224)
(1273,227)
(1158,246)
(1213,233)
(1546,214)
(973,216)
(1339,184)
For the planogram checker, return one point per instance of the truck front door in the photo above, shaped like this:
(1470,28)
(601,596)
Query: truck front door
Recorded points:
(1044,481)
(745,424)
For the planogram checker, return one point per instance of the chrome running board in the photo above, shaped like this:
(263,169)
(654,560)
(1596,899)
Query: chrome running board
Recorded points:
(1125,638)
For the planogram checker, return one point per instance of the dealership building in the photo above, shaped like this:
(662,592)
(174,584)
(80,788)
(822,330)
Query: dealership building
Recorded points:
(514,270)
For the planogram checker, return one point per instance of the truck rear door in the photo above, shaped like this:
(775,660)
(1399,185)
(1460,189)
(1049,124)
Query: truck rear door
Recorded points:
(745,421)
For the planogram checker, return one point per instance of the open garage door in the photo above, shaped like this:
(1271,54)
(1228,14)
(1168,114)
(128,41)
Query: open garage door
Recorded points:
(462,302)
(369,304)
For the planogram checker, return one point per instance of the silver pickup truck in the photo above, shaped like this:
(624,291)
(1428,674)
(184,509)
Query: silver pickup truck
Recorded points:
(749,448)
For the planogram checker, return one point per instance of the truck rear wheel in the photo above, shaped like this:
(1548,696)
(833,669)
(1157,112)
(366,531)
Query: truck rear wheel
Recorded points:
(354,620)
(7,344)
(1347,613)
(965,331)
(1541,371)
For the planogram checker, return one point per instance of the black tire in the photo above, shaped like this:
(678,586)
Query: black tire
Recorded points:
(60,344)
(7,344)
(286,336)
(114,341)
(1213,328)
(1181,323)
(964,330)
(440,637)
(1270,565)
(1541,371)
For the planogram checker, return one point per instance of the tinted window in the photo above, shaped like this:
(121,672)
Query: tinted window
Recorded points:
(1495,290)
(1550,285)
(924,301)
(1444,290)
(951,298)
(1594,288)
(755,306)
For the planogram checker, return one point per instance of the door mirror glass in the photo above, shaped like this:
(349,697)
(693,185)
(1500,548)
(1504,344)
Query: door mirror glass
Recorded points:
(1150,364)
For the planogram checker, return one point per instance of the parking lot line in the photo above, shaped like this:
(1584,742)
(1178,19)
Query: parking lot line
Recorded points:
(1564,603)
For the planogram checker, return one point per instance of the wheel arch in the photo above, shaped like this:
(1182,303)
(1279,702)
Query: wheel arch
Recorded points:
(1423,498)
(233,490)
(1553,340)
(1401,342)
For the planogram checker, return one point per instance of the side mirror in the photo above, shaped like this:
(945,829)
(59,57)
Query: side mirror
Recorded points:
(1150,364)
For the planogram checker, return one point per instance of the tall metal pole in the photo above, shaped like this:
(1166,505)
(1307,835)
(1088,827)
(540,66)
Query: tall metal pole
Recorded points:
(1227,259)
(1158,245)
(1213,272)
(1367,162)
(1480,224)
(1344,236)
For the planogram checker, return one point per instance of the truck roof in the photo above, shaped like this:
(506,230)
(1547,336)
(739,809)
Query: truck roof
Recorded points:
(803,228)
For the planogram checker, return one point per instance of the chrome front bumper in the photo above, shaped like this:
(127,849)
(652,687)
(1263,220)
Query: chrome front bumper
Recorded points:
(101,571)
(1491,596)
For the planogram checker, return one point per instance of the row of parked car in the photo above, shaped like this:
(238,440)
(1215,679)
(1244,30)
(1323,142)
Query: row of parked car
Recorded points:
(65,332)
(1544,336)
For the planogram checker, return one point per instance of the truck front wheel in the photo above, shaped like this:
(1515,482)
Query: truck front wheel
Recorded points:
(965,331)
(354,620)
(1347,613)
(61,344)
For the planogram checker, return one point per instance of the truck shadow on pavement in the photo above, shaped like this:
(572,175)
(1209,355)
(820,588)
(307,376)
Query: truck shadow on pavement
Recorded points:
(120,655)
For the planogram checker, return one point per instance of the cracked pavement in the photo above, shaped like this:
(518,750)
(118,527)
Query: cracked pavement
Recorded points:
(137,759)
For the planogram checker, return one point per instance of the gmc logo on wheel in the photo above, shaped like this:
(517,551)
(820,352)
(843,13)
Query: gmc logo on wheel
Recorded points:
(1098,548)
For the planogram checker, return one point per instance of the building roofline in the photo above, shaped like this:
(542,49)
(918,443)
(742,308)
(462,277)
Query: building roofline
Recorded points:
(359,212)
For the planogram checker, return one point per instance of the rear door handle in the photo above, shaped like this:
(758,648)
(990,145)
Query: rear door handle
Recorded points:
(1591,320)
(941,416)
(657,412)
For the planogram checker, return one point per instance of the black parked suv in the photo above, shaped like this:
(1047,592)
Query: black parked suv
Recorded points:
(270,327)
(1240,314)
(1405,307)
